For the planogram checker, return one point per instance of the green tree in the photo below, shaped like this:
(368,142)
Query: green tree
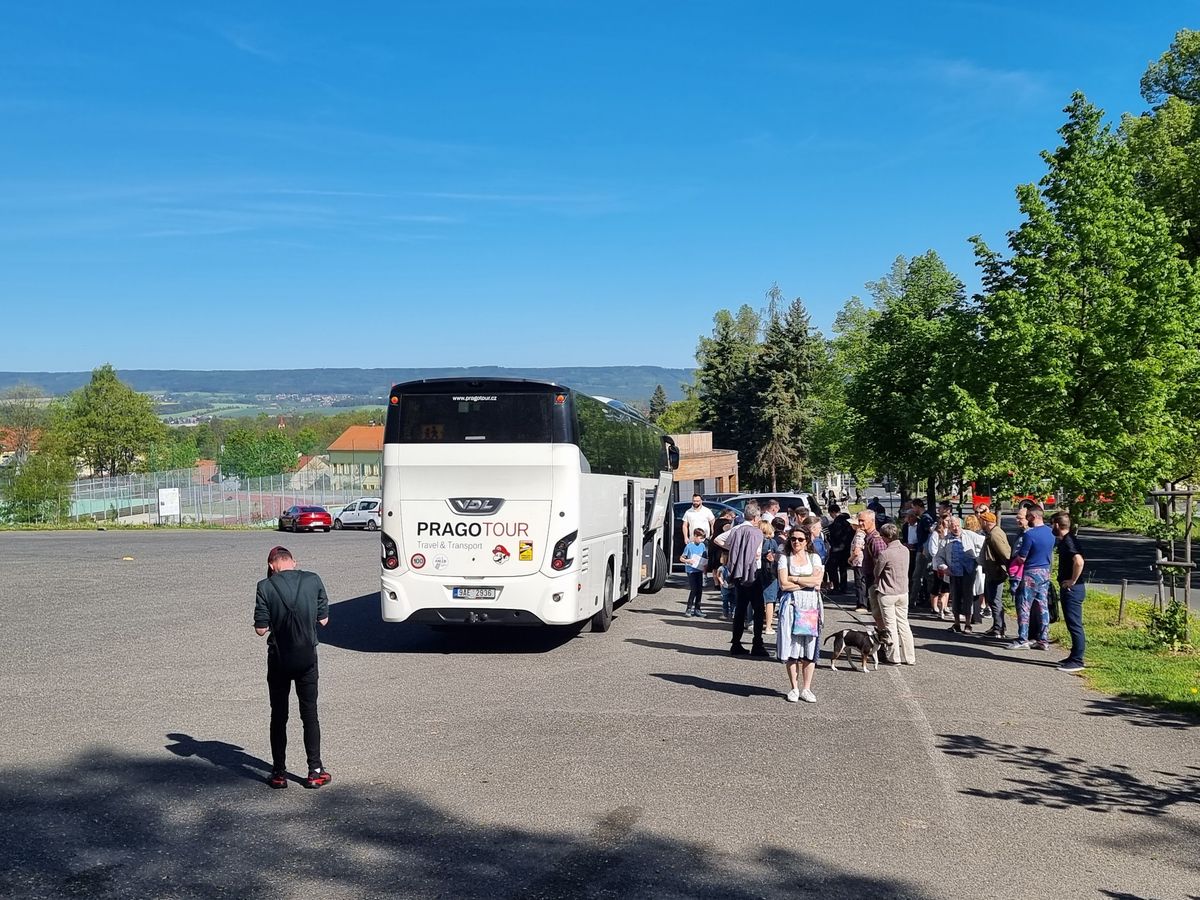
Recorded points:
(177,450)
(658,402)
(39,489)
(792,355)
(729,382)
(682,416)
(912,414)
(834,427)
(1090,325)
(1177,72)
(108,424)
(251,453)
(207,440)
(1165,142)
(306,440)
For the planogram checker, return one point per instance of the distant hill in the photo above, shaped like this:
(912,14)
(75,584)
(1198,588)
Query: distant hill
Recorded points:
(629,383)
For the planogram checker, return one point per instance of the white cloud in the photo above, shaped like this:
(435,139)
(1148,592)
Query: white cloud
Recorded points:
(964,74)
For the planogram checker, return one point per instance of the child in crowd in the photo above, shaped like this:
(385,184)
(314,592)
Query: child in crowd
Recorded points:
(695,564)
(721,580)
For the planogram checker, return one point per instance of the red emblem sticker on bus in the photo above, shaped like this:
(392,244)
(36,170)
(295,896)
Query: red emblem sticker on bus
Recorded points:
(418,560)
(500,554)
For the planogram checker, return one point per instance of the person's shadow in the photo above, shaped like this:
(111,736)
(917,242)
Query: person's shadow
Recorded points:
(229,757)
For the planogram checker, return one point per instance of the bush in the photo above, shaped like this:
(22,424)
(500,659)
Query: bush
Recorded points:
(1169,627)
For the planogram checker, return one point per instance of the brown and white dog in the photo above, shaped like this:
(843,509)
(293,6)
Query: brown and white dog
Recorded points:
(867,643)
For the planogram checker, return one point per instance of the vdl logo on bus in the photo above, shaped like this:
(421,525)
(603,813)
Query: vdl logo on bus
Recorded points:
(475,506)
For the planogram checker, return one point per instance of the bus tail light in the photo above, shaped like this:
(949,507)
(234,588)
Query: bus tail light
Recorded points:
(559,559)
(389,552)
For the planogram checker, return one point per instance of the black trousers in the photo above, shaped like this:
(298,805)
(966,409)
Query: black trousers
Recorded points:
(748,596)
(917,595)
(838,561)
(279,687)
(695,589)
(962,596)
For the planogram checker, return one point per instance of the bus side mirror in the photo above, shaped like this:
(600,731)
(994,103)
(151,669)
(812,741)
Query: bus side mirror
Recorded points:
(671,453)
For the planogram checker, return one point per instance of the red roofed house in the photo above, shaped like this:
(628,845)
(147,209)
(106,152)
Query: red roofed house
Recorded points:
(15,443)
(357,457)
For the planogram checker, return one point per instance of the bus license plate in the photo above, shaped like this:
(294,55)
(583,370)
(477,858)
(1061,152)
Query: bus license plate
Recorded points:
(476,593)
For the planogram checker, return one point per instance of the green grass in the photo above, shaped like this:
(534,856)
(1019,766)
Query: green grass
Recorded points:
(1123,660)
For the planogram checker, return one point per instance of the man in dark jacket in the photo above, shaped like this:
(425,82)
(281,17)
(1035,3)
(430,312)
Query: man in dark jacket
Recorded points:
(288,606)
(915,534)
(841,533)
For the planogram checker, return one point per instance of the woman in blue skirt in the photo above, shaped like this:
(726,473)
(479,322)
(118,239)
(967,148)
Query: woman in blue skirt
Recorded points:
(801,614)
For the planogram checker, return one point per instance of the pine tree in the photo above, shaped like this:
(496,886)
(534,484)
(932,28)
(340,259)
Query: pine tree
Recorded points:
(792,357)
(727,382)
(658,402)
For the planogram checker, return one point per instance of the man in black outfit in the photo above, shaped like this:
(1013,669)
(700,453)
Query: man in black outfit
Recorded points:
(289,604)
(841,533)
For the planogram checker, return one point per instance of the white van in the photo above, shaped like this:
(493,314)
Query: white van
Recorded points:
(361,513)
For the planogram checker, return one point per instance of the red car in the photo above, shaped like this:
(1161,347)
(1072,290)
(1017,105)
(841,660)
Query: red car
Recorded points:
(305,518)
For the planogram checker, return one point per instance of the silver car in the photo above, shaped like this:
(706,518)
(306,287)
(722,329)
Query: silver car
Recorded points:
(361,513)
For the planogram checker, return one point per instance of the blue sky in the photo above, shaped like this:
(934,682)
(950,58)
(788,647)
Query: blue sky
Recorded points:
(507,183)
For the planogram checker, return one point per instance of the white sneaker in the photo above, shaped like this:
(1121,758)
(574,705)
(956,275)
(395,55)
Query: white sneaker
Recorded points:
(808,696)
(793,695)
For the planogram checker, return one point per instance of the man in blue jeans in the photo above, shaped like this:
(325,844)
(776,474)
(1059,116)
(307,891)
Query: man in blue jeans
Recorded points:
(1035,552)
(1071,589)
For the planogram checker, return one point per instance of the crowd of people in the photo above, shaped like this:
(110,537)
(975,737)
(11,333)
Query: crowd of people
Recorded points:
(774,569)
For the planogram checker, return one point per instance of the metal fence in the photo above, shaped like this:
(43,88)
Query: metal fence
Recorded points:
(209,497)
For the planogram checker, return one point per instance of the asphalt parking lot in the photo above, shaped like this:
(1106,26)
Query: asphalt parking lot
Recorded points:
(644,762)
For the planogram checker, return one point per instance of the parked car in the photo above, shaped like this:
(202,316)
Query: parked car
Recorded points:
(719,498)
(305,518)
(786,501)
(362,513)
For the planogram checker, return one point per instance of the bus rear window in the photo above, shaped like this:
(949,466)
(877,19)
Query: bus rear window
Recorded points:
(491,418)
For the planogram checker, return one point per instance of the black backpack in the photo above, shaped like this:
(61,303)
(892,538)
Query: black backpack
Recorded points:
(294,647)
(766,571)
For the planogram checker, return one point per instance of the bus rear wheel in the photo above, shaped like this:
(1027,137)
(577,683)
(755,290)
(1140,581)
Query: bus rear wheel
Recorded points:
(660,572)
(602,620)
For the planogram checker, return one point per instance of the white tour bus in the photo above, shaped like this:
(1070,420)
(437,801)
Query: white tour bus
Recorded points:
(519,502)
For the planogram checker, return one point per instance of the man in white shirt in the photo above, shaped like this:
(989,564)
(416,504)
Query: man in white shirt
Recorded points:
(698,517)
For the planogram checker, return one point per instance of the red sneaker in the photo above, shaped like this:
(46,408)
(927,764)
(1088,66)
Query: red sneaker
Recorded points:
(317,777)
(278,780)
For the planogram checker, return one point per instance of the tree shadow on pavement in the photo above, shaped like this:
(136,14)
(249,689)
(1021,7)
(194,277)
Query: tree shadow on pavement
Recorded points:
(1055,781)
(111,825)
(738,689)
(1140,716)
(356,624)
